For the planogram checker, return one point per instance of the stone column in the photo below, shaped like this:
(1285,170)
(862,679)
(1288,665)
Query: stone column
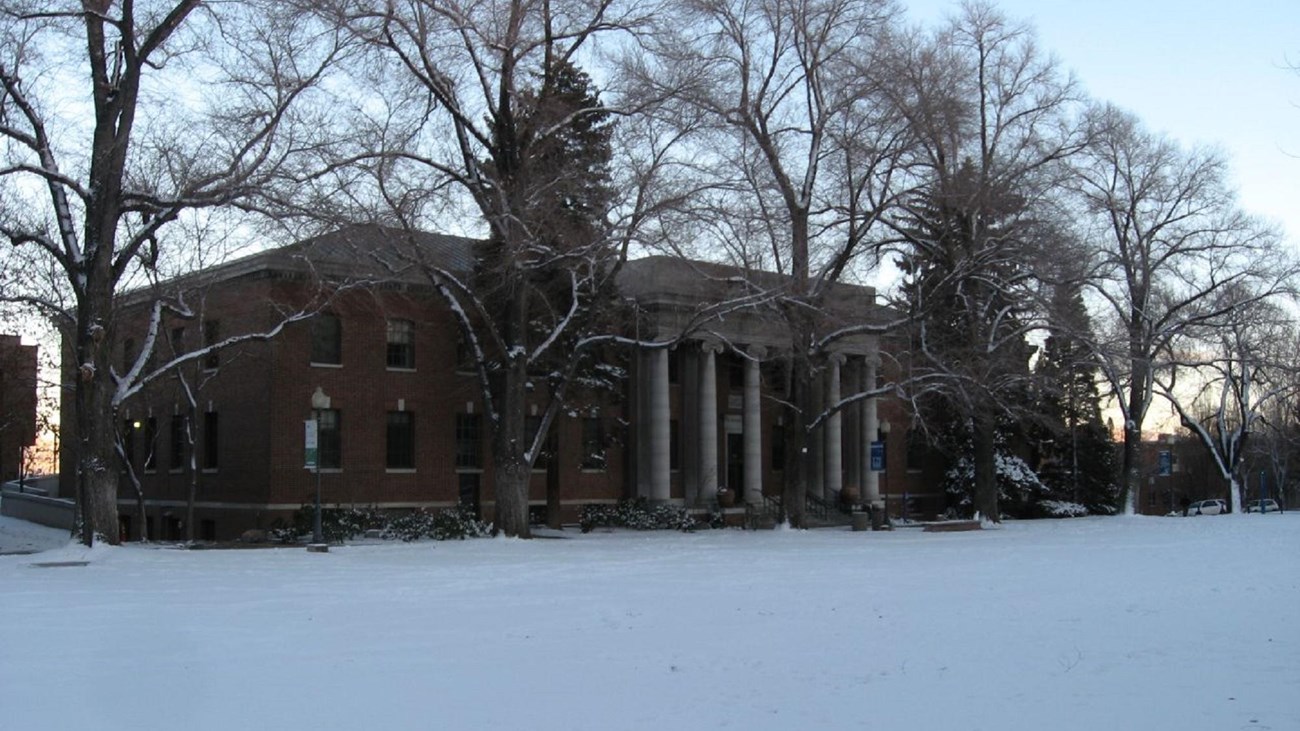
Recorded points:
(660,429)
(753,427)
(833,444)
(708,426)
(861,439)
(870,433)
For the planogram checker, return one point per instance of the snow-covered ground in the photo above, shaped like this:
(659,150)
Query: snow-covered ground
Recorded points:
(19,536)
(1112,624)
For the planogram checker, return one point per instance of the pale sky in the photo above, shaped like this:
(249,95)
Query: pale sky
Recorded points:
(1206,73)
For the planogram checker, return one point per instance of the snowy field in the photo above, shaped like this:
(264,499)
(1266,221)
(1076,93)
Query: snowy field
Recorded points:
(1097,624)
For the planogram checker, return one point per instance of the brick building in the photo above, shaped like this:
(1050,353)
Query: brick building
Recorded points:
(405,429)
(17,404)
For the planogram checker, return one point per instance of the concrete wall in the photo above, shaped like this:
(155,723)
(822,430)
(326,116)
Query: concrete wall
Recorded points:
(39,509)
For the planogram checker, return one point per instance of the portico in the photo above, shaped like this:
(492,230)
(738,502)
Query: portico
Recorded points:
(708,402)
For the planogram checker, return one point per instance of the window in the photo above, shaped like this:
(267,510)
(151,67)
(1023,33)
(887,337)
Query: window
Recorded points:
(128,441)
(178,340)
(735,371)
(326,339)
(329,440)
(593,444)
(211,440)
(211,335)
(468,491)
(176,459)
(401,344)
(916,450)
(151,444)
(674,366)
(128,354)
(775,374)
(469,452)
(778,448)
(401,440)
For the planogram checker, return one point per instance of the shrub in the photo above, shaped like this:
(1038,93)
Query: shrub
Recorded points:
(637,514)
(339,524)
(1061,509)
(445,525)
(458,523)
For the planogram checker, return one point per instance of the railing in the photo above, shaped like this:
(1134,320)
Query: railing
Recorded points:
(818,507)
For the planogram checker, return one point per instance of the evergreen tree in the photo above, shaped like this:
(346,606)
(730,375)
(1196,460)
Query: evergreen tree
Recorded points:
(1077,457)
(965,271)
(545,274)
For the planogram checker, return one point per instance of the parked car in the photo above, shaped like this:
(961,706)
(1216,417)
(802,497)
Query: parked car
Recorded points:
(1207,507)
(1262,506)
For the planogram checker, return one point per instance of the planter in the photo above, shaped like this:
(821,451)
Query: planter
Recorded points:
(726,498)
(849,495)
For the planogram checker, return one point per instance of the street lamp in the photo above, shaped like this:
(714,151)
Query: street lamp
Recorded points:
(319,403)
(880,503)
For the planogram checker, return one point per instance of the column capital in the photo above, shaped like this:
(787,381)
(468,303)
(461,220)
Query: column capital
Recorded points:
(709,344)
(757,352)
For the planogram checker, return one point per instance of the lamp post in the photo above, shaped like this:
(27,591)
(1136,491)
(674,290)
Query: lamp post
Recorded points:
(319,403)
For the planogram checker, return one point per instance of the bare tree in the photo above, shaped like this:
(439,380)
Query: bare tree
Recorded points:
(1170,244)
(1238,367)
(1277,439)
(994,120)
(120,119)
(508,125)
(804,153)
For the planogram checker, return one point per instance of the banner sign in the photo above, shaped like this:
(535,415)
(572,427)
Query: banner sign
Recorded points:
(309,443)
(877,456)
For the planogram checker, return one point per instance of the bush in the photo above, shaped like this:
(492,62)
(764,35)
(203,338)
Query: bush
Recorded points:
(340,524)
(444,525)
(458,524)
(636,514)
(1061,509)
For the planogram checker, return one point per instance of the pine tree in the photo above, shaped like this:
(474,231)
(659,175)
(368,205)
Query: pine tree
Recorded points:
(1078,461)
(965,266)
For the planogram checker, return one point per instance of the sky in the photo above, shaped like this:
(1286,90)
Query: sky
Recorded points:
(1205,73)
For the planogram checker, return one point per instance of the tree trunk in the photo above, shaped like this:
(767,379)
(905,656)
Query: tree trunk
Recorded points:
(194,490)
(553,505)
(143,512)
(1234,487)
(1132,483)
(96,439)
(986,473)
(511,470)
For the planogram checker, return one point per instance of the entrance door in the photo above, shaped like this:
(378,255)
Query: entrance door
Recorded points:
(736,462)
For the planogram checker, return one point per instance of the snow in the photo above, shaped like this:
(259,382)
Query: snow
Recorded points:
(19,536)
(1093,623)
